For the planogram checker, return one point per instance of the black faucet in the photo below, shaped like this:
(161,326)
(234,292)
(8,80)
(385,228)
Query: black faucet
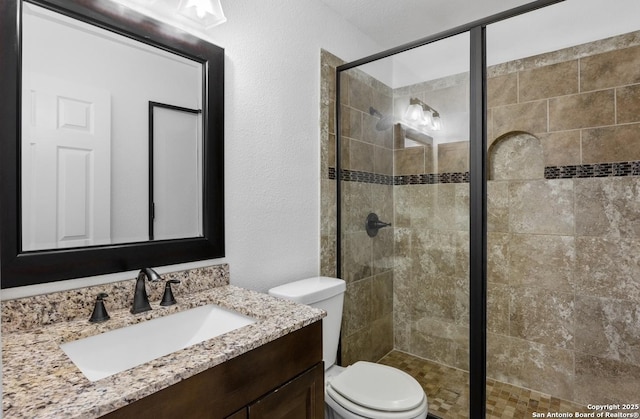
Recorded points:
(140,298)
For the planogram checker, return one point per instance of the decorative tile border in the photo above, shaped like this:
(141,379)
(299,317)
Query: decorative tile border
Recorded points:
(432,178)
(423,179)
(362,177)
(629,168)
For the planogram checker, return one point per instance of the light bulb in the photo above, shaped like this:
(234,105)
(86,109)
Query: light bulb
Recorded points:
(436,122)
(207,13)
(201,12)
(414,114)
(427,121)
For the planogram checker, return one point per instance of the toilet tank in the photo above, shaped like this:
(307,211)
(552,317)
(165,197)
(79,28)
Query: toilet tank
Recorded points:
(321,292)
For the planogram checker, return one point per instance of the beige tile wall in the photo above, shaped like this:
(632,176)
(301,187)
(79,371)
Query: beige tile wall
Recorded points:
(563,286)
(431,272)
(563,280)
(582,103)
(328,64)
(367,330)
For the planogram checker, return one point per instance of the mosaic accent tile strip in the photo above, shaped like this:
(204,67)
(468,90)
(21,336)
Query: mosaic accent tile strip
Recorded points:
(362,177)
(422,179)
(628,168)
(432,178)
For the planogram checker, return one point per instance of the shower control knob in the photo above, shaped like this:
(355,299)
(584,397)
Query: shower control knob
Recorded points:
(373,224)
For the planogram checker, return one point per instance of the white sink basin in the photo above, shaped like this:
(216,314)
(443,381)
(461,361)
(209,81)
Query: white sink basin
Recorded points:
(118,350)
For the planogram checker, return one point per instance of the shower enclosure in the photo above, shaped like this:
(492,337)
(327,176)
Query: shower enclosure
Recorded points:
(507,164)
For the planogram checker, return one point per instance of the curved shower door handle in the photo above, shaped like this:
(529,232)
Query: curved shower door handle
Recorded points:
(374,224)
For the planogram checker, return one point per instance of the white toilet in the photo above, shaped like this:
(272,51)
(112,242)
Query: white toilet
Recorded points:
(364,389)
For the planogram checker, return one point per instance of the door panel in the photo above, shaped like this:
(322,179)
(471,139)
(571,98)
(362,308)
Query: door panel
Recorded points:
(177,184)
(66,175)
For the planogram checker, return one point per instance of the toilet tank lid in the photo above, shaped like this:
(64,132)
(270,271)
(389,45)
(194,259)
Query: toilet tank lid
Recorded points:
(310,290)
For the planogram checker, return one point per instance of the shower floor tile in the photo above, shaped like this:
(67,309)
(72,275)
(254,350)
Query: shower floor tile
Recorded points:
(448,392)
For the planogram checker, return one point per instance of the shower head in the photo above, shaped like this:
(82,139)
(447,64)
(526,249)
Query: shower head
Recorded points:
(384,122)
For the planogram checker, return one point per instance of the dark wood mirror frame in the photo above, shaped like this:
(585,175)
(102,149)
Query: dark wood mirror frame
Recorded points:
(19,268)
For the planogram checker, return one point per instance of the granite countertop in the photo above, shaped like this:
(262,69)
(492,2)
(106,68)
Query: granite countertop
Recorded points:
(40,381)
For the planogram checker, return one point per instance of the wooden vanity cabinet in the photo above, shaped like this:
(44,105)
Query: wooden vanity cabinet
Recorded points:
(300,398)
(283,379)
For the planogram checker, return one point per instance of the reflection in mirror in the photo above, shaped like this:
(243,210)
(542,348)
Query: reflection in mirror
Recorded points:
(85,152)
(175,181)
(76,164)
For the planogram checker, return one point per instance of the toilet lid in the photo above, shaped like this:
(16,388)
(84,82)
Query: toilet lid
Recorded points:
(378,387)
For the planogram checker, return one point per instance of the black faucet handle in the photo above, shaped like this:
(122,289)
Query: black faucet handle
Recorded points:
(168,299)
(99,311)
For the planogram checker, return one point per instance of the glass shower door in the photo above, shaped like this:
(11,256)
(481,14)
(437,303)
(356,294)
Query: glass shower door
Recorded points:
(404,161)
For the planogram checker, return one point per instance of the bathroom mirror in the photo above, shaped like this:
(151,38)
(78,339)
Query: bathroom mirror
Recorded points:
(112,142)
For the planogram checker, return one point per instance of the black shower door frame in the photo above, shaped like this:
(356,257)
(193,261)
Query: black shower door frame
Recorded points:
(477,184)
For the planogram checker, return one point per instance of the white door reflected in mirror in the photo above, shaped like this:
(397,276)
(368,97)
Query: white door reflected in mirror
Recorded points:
(66,164)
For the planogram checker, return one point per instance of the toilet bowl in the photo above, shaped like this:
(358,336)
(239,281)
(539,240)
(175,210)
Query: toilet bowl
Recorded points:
(363,390)
(368,390)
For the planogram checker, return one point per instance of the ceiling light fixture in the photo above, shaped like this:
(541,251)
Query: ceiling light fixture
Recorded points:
(206,13)
(193,16)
